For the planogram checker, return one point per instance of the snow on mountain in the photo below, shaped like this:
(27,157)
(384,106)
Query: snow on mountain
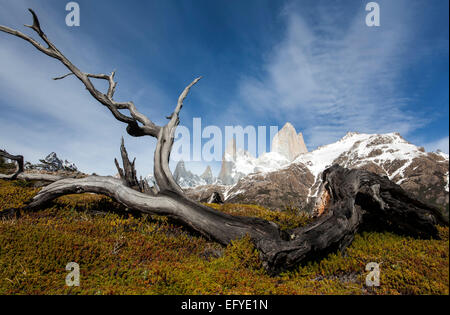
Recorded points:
(268,162)
(52,163)
(186,178)
(245,164)
(353,150)
(297,183)
(286,146)
(208,176)
(274,181)
(356,149)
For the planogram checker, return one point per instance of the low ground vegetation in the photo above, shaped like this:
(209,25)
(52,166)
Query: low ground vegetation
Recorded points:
(125,254)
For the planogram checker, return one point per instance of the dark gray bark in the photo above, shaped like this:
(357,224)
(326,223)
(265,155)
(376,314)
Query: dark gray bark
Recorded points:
(19,173)
(128,172)
(358,201)
(18,159)
(49,178)
(352,200)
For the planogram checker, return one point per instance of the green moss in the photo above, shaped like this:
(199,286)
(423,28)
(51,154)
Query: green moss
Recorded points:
(289,218)
(122,254)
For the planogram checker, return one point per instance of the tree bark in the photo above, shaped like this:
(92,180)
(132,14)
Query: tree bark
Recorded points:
(355,201)
(33,177)
(358,200)
(128,173)
(19,173)
(19,161)
(351,201)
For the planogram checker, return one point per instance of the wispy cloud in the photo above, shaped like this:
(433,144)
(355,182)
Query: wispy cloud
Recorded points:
(331,76)
(40,115)
(326,72)
(441,144)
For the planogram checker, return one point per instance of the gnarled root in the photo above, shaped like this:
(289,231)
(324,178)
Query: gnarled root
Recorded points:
(357,200)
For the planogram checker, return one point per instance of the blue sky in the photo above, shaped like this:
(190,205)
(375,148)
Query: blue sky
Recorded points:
(312,63)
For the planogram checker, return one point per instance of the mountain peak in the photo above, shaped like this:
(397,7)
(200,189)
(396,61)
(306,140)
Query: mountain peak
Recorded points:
(186,178)
(207,175)
(53,164)
(230,150)
(288,125)
(288,143)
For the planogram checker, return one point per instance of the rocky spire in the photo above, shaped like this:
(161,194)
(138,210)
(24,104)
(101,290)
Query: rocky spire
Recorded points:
(230,150)
(228,162)
(180,171)
(303,148)
(287,143)
(207,175)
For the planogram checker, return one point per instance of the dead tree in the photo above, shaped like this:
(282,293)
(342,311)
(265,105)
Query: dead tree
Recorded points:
(354,198)
(19,161)
(128,173)
(19,173)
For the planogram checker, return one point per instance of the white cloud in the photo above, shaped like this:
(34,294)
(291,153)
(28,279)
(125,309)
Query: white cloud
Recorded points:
(40,115)
(330,77)
(441,144)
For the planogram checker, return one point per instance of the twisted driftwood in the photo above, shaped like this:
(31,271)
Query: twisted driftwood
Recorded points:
(128,173)
(19,161)
(351,200)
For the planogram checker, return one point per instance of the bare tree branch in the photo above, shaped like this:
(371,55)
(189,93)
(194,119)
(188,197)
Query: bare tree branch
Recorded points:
(19,173)
(355,199)
(19,161)
(138,124)
(128,173)
(359,201)
(163,176)
(147,128)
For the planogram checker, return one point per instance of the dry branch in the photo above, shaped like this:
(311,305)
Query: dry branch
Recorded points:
(128,173)
(359,201)
(19,161)
(356,200)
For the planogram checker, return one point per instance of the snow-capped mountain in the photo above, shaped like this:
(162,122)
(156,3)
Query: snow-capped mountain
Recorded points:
(238,163)
(52,163)
(356,149)
(208,176)
(186,178)
(289,176)
(286,146)
(288,143)
(296,183)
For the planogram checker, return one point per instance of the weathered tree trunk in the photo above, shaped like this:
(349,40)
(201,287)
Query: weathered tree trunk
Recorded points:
(355,200)
(128,173)
(358,200)
(352,200)
(19,173)
(19,161)
(49,178)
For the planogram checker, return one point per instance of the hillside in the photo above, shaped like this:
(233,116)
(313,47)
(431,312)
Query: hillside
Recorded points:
(151,255)
(296,183)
